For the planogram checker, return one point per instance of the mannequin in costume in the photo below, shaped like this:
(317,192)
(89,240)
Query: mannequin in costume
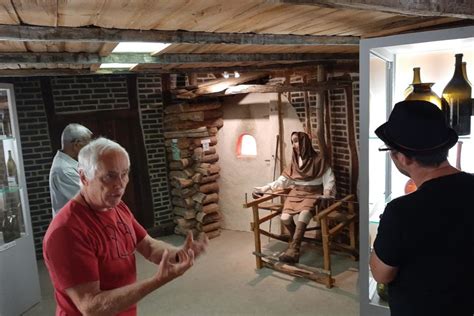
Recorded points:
(311,180)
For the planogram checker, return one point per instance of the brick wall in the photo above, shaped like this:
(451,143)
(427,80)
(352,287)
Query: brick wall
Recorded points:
(339,134)
(77,94)
(151,114)
(89,93)
(339,127)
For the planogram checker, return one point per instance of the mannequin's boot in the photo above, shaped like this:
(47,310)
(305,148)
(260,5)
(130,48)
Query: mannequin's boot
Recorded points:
(291,229)
(292,254)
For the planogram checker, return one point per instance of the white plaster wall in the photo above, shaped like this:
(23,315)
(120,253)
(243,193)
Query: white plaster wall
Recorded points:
(255,114)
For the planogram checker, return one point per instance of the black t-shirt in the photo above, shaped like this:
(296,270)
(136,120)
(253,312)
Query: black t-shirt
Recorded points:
(429,236)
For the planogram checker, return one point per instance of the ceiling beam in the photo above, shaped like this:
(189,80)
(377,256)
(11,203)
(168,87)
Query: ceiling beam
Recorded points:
(42,72)
(463,9)
(94,34)
(281,69)
(314,87)
(339,65)
(139,58)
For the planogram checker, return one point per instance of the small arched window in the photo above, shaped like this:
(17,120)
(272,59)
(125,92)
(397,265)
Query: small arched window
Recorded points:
(246,146)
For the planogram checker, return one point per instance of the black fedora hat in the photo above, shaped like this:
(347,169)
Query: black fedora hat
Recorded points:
(417,128)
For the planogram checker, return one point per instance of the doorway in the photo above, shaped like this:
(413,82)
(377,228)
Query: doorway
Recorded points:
(122,126)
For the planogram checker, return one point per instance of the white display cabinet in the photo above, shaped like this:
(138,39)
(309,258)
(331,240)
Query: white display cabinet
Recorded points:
(386,70)
(19,284)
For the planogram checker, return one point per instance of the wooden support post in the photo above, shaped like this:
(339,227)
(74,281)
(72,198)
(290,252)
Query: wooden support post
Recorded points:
(280,132)
(327,128)
(307,110)
(326,250)
(282,151)
(320,104)
(352,228)
(256,235)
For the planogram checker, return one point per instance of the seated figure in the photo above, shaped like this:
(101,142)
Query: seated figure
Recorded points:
(311,180)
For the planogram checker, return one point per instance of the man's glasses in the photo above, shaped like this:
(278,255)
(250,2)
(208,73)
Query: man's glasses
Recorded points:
(386,148)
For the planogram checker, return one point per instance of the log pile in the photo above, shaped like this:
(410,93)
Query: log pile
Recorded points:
(216,87)
(190,140)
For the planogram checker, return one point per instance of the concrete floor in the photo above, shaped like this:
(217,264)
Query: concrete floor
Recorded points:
(225,282)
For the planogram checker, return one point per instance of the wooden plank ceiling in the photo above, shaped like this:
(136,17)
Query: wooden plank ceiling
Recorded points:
(265,17)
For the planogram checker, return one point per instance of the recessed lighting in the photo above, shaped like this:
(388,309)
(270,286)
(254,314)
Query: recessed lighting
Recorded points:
(117,65)
(139,47)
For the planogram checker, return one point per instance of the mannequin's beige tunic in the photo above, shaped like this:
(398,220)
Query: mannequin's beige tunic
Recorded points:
(303,194)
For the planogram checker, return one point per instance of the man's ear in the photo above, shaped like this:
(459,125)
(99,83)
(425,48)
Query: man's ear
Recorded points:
(77,147)
(83,177)
(405,160)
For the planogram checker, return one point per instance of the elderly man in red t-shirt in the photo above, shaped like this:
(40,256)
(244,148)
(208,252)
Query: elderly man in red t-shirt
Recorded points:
(89,248)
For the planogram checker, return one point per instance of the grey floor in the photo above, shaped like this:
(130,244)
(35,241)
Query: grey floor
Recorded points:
(225,282)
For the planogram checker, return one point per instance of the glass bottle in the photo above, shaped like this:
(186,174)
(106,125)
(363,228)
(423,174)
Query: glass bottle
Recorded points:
(2,127)
(416,80)
(410,186)
(10,227)
(464,72)
(7,128)
(457,94)
(11,170)
(382,291)
(422,90)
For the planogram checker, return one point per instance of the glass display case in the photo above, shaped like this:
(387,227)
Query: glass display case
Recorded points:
(387,67)
(19,286)
(12,225)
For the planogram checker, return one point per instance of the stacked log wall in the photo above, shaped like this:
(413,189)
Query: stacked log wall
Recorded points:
(190,141)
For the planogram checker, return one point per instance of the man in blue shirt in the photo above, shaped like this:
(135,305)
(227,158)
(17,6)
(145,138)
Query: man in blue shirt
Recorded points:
(64,176)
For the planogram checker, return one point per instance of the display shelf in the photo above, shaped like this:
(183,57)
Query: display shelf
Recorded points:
(4,246)
(10,189)
(19,273)
(387,64)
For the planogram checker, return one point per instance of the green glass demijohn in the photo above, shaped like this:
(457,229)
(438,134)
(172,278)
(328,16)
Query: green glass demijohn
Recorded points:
(457,95)
(421,90)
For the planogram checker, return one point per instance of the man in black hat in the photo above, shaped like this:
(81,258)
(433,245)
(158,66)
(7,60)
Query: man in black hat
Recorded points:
(424,249)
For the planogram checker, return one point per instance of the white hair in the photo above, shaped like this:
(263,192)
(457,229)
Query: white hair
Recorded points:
(73,132)
(89,154)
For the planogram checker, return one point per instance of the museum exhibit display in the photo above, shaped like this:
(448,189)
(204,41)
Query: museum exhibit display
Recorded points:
(19,274)
(430,64)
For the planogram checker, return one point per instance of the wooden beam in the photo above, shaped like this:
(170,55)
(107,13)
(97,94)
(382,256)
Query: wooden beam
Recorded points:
(463,9)
(296,87)
(321,102)
(140,58)
(299,68)
(338,65)
(417,25)
(94,34)
(44,72)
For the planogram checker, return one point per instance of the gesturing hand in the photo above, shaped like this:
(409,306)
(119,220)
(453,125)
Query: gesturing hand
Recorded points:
(168,270)
(197,246)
